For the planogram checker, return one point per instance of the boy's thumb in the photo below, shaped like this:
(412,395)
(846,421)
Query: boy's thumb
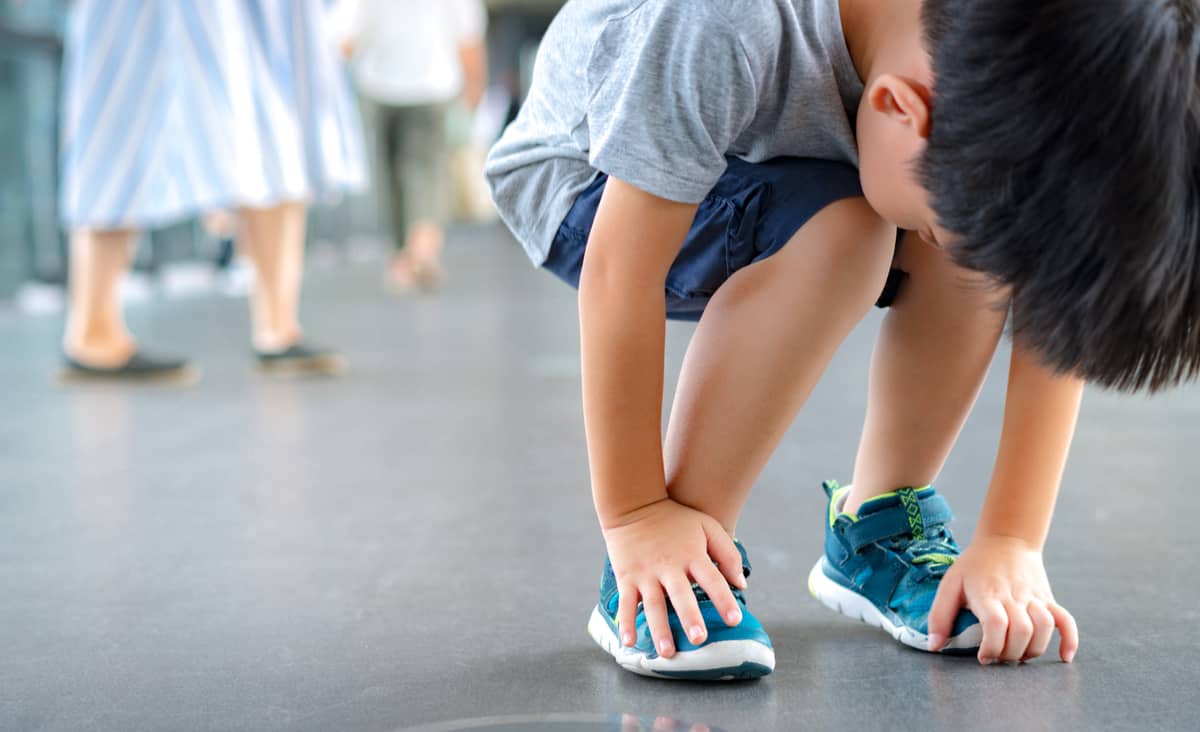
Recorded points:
(945,609)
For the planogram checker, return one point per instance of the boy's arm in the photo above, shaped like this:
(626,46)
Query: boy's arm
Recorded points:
(1039,424)
(657,547)
(1001,576)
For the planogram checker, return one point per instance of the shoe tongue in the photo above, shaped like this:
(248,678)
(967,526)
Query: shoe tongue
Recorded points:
(890,500)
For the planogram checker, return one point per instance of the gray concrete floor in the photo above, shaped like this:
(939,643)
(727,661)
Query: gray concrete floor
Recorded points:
(414,543)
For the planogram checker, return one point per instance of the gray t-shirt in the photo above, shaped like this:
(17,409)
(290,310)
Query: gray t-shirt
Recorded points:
(659,92)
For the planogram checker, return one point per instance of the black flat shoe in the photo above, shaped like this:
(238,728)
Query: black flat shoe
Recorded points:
(301,360)
(140,368)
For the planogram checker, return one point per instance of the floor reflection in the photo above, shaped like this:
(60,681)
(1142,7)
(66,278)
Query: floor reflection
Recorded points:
(569,723)
(103,468)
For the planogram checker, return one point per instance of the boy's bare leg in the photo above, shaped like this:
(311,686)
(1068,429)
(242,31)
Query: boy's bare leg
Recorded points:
(273,238)
(96,334)
(764,340)
(930,361)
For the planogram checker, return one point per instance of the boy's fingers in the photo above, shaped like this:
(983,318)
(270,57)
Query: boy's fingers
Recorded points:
(945,609)
(713,583)
(1020,633)
(725,553)
(679,589)
(1067,629)
(994,620)
(655,606)
(1043,630)
(627,614)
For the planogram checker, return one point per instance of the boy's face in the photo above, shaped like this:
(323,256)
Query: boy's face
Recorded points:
(893,124)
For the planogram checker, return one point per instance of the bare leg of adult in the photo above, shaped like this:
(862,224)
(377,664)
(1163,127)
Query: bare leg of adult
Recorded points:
(419,263)
(96,342)
(273,239)
(96,334)
(426,239)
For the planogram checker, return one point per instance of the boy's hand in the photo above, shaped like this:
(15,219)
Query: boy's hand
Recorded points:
(657,552)
(1003,581)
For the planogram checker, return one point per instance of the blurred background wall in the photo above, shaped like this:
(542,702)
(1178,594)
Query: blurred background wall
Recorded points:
(30,55)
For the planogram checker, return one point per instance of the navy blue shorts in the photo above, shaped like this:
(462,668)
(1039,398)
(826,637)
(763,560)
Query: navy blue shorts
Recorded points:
(754,210)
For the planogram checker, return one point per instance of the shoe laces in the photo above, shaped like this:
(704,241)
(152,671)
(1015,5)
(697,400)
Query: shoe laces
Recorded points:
(935,553)
(702,596)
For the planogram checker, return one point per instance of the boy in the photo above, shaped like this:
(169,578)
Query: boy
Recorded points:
(706,148)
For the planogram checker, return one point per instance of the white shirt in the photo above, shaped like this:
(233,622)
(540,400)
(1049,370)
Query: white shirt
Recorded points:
(408,50)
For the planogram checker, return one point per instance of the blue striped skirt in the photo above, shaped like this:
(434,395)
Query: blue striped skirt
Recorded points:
(175,107)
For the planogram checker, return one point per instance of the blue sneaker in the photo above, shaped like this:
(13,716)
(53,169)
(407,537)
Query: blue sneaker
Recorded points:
(884,566)
(743,652)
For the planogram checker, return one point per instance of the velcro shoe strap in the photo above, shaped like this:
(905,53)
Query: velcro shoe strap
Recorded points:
(608,583)
(933,511)
(745,558)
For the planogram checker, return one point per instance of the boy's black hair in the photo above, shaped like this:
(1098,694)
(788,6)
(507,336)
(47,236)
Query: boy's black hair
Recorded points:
(1065,156)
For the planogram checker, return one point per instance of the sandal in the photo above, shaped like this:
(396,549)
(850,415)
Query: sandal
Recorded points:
(140,367)
(301,360)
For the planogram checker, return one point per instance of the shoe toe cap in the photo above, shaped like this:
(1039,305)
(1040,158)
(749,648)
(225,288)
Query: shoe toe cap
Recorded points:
(718,631)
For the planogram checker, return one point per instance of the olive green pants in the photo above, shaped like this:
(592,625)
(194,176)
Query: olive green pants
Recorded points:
(413,164)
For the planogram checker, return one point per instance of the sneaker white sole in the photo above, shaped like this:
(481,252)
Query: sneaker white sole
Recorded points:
(721,655)
(855,606)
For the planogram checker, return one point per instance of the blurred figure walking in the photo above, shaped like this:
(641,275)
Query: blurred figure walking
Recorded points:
(413,59)
(173,109)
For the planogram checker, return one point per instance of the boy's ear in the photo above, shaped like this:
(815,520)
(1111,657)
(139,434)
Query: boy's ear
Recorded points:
(903,100)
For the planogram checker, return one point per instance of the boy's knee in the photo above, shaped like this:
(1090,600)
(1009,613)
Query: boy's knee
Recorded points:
(849,241)
(850,230)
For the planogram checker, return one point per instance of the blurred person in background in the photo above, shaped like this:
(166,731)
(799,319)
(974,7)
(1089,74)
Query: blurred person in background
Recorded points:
(174,109)
(516,30)
(413,60)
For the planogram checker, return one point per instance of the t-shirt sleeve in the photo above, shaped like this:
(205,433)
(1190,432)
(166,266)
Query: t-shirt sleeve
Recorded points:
(669,90)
